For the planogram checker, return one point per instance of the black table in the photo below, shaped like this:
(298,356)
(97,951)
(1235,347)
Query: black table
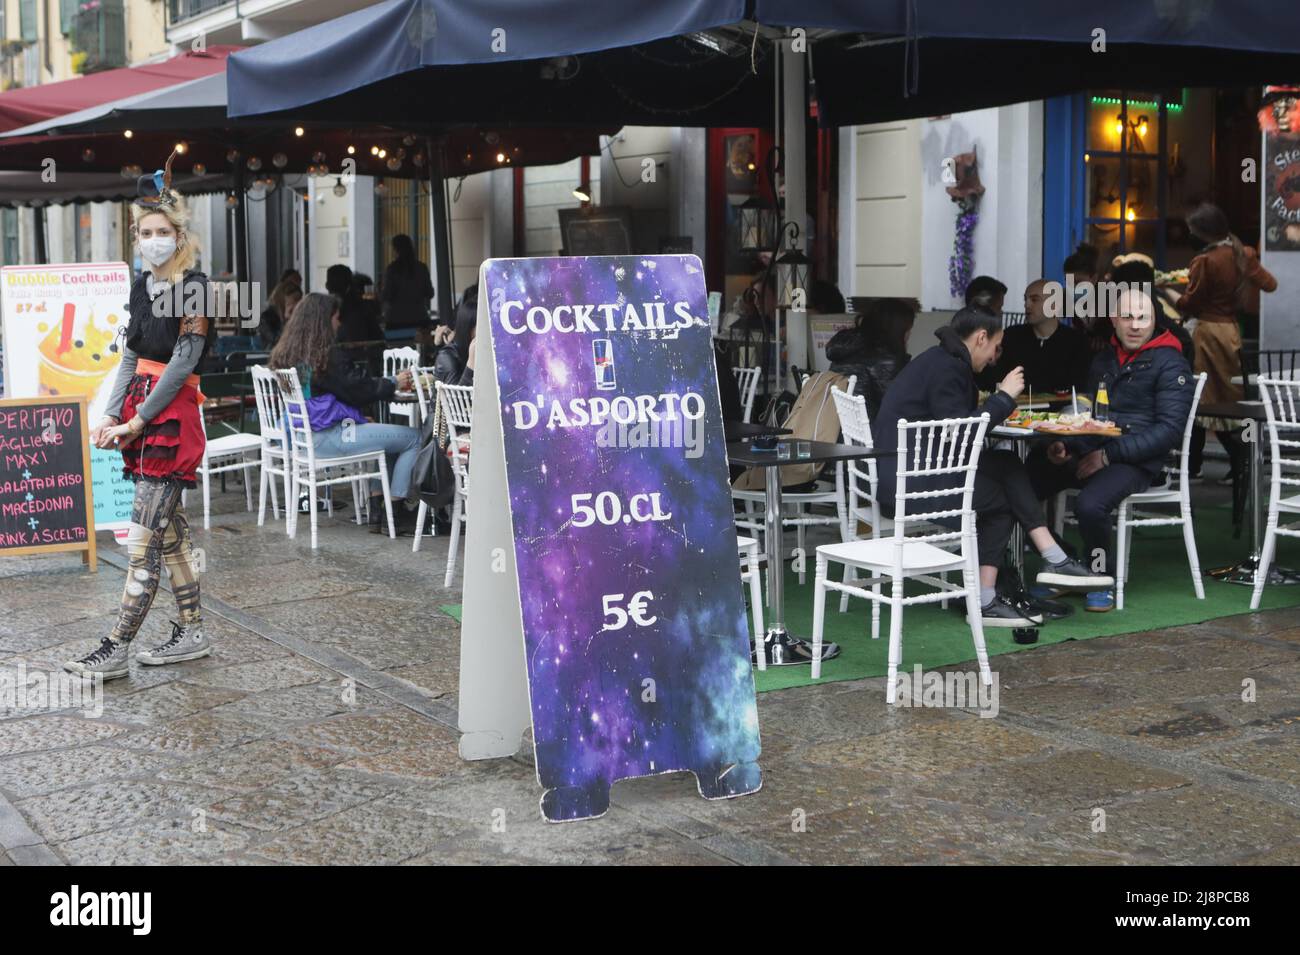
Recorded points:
(781,648)
(743,430)
(1244,572)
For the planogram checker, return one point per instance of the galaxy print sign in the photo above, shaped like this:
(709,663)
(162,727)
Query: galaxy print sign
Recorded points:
(603,603)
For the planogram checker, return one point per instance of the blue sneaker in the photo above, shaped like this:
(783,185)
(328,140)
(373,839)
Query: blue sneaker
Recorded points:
(1100,601)
(1040,592)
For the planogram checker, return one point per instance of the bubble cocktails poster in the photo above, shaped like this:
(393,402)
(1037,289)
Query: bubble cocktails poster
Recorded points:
(636,641)
(61,337)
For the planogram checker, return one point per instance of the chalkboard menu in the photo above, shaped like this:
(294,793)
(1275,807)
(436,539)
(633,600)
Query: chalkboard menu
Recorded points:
(45,497)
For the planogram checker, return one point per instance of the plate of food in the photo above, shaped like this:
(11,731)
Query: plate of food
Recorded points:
(1063,424)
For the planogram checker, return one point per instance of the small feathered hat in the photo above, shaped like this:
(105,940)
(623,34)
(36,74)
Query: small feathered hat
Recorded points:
(155,191)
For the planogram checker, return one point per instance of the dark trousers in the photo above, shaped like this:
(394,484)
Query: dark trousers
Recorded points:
(1003,497)
(1232,443)
(1098,498)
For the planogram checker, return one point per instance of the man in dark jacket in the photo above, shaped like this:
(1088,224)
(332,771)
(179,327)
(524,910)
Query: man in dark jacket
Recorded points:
(1055,357)
(940,383)
(1149,387)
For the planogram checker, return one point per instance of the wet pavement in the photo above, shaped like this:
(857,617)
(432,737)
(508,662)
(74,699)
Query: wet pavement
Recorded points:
(322,730)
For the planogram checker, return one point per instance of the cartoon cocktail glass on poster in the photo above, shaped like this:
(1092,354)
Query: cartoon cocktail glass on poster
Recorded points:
(604,606)
(62,326)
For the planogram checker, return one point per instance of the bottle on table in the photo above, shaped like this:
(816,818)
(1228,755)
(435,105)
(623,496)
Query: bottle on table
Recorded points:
(1101,407)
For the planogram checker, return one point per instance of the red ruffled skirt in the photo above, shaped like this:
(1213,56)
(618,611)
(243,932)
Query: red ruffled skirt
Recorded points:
(172,444)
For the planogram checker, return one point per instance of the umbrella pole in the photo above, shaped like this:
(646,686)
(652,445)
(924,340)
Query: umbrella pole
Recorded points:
(441,247)
(241,224)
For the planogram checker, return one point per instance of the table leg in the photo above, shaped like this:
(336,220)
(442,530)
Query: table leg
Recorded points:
(780,648)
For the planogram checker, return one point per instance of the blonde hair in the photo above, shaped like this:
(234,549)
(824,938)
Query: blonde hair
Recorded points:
(177,213)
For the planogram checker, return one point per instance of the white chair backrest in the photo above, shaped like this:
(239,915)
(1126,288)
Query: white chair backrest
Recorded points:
(1186,450)
(457,403)
(937,450)
(399,359)
(270,409)
(1282,405)
(747,380)
(297,421)
(422,396)
(855,423)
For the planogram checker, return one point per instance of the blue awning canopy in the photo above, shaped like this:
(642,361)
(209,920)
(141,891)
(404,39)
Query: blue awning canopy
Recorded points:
(709,62)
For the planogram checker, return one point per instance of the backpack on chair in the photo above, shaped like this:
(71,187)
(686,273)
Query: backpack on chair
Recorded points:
(813,418)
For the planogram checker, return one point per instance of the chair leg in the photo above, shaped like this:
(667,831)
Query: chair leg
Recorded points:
(895,639)
(1193,558)
(263,481)
(311,506)
(1121,555)
(207,502)
(819,614)
(454,542)
(976,616)
(850,577)
(800,539)
(875,607)
(388,497)
(756,605)
(1265,559)
(943,604)
(1058,517)
(290,502)
(248,483)
(290,509)
(420,516)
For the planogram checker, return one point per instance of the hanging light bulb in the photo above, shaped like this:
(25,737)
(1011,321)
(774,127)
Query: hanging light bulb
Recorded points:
(418,159)
(298,131)
(269,184)
(1142,126)
(254,164)
(341,190)
(383,154)
(1119,125)
(231,201)
(182,147)
(232,155)
(279,160)
(352,150)
(200,169)
(1130,215)
(394,164)
(374,150)
(501,157)
(408,140)
(88,155)
(381,188)
(128,133)
(318,157)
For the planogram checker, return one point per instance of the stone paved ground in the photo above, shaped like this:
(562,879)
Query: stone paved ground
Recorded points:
(260,755)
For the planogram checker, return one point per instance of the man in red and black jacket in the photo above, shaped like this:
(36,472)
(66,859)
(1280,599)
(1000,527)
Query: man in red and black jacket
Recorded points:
(1150,388)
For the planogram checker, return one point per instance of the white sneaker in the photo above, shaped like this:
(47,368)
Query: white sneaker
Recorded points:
(111,661)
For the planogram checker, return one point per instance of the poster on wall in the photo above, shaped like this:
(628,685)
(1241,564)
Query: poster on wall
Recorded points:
(603,606)
(1282,192)
(61,326)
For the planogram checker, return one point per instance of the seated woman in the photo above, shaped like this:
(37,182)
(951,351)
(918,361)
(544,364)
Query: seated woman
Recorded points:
(874,349)
(284,299)
(335,392)
(454,363)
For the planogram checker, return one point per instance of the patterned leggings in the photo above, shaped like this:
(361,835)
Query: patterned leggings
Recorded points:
(159,535)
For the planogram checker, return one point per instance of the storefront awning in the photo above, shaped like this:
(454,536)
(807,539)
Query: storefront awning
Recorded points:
(708,62)
(35,104)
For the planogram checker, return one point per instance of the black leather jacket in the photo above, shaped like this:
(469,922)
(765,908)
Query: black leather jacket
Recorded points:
(850,353)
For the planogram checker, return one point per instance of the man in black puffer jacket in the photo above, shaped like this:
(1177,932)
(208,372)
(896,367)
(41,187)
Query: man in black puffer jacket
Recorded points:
(1150,387)
(940,383)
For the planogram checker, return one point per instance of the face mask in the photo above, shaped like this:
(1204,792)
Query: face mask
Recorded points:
(158,249)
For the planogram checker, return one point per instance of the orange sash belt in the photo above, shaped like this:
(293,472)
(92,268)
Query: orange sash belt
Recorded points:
(147,366)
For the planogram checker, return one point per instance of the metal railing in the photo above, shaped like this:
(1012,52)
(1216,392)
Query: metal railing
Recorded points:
(179,10)
(99,31)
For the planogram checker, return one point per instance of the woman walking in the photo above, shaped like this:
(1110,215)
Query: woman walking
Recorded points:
(154,416)
(1217,281)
